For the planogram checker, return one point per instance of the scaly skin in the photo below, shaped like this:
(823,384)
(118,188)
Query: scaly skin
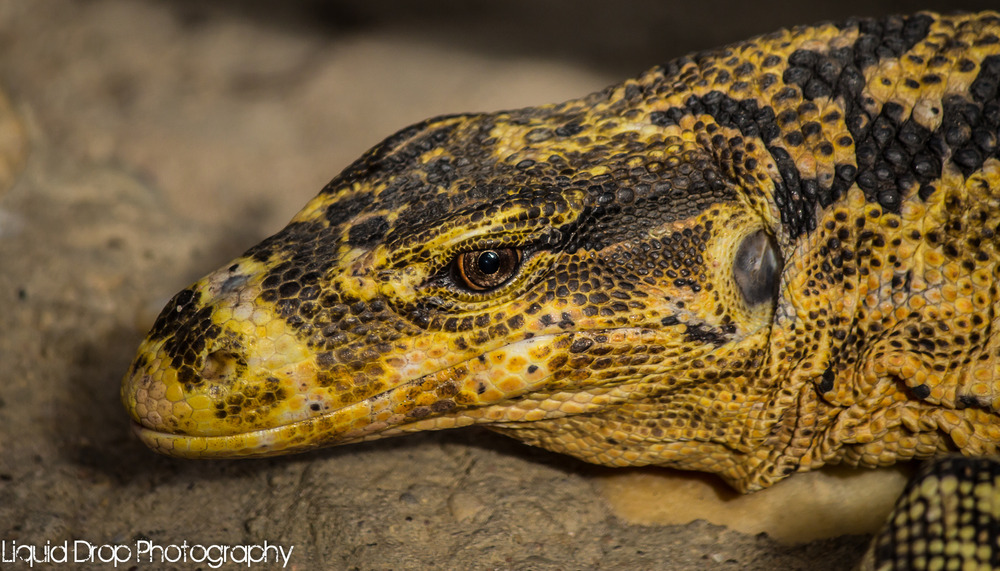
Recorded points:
(947,518)
(752,262)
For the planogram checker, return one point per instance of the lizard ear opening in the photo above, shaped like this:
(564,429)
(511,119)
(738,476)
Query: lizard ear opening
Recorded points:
(757,268)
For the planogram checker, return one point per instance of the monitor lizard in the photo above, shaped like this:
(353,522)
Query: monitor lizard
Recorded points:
(751,261)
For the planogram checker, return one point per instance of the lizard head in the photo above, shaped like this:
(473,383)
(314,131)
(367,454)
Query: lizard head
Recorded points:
(514,269)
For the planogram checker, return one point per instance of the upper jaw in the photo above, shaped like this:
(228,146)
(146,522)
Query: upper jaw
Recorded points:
(284,409)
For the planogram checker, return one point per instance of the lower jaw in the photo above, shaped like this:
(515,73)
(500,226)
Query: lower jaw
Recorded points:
(288,439)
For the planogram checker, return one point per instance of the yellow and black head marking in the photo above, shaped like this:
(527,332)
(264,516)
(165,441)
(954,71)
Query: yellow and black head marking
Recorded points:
(732,263)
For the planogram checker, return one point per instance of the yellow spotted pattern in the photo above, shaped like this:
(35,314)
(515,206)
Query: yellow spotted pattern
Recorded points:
(751,261)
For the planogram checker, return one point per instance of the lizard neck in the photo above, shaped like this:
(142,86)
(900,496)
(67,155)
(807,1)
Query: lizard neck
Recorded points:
(907,345)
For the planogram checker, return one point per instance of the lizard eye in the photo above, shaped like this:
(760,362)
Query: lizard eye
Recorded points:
(483,270)
(757,268)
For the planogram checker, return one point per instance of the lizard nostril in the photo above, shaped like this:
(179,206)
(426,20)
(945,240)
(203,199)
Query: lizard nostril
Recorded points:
(219,365)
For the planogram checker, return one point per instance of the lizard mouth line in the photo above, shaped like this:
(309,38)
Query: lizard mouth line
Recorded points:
(340,426)
(257,443)
(303,434)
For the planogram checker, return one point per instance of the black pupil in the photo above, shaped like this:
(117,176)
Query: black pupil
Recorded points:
(488,262)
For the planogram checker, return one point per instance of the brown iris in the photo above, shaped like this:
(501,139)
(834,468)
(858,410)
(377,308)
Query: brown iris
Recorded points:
(484,270)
